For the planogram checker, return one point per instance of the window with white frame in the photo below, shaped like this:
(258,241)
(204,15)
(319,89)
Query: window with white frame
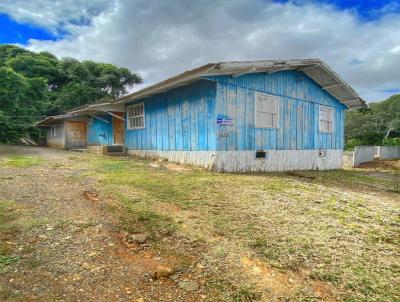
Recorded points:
(53,131)
(266,111)
(90,121)
(135,116)
(325,119)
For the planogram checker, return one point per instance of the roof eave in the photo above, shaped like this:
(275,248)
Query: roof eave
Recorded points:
(239,68)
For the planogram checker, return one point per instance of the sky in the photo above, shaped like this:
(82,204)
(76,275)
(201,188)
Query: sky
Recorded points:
(360,40)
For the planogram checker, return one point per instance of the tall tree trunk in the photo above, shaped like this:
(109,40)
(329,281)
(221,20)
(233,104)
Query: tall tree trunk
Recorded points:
(387,134)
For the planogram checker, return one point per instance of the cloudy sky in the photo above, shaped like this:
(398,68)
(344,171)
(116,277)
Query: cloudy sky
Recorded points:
(158,39)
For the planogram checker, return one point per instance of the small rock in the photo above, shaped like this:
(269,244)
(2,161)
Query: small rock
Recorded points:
(42,236)
(200,266)
(139,300)
(290,280)
(111,244)
(137,238)
(49,229)
(188,285)
(161,272)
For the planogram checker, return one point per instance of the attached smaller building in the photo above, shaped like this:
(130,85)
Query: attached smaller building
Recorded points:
(91,127)
(65,131)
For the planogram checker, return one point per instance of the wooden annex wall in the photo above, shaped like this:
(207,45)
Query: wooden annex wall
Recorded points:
(180,119)
(299,100)
(57,141)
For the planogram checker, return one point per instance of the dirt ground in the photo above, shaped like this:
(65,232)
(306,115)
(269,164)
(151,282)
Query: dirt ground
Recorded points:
(70,247)
(79,227)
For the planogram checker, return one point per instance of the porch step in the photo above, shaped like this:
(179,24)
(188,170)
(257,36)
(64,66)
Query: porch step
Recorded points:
(117,150)
(80,150)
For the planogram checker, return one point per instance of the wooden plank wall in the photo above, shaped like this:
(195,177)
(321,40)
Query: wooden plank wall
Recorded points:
(299,100)
(181,119)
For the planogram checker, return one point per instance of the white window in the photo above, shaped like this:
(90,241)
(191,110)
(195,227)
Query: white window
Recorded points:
(135,116)
(53,131)
(325,119)
(90,121)
(266,111)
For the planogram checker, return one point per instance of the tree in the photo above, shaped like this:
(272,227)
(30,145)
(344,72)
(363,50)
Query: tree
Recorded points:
(34,85)
(377,125)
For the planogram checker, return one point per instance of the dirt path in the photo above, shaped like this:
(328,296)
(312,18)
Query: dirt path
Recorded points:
(69,248)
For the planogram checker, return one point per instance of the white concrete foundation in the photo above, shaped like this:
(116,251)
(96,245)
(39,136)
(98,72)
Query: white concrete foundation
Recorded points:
(245,161)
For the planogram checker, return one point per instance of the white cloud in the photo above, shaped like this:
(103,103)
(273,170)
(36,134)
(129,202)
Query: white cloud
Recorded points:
(161,38)
(55,15)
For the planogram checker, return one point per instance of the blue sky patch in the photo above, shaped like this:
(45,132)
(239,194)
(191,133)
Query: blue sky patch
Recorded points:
(12,32)
(367,10)
(392,91)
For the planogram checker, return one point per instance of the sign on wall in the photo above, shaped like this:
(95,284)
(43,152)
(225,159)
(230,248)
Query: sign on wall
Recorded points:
(224,120)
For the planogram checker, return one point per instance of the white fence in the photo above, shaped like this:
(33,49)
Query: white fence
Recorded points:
(364,154)
(389,152)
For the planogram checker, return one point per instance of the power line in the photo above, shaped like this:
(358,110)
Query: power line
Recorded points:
(24,116)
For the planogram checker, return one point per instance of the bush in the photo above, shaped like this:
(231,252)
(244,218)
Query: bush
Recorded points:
(352,143)
(392,141)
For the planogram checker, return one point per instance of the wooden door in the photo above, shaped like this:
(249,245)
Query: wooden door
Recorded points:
(119,129)
(76,135)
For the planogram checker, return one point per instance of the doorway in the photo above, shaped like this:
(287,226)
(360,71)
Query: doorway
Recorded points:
(118,129)
(76,135)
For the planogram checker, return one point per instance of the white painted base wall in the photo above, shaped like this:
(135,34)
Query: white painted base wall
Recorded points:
(245,161)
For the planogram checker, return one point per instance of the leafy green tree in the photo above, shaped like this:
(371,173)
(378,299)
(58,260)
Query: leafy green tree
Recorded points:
(34,85)
(377,125)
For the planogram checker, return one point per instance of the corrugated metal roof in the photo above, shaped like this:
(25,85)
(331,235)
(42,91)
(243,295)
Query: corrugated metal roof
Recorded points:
(95,107)
(51,120)
(316,69)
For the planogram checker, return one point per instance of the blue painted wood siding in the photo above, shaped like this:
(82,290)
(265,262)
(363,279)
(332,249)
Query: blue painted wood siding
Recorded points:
(100,133)
(299,99)
(180,119)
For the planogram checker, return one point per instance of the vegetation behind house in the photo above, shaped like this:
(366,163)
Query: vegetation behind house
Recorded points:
(377,125)
(35,85)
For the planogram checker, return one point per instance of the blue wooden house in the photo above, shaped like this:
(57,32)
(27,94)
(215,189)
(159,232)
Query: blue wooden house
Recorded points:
(273,115)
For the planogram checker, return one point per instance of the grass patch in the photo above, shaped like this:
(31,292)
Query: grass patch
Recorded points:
(340,226)
(245,294)
(8,228)
(157,225)
(23,161)
(8,215)
(8,260)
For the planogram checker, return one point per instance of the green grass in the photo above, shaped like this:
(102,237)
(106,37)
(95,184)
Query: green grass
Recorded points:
(8,228)
(23,161)
(245,294)
(339,227)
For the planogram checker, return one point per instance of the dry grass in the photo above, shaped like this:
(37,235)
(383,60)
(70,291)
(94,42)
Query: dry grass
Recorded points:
(329,235)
